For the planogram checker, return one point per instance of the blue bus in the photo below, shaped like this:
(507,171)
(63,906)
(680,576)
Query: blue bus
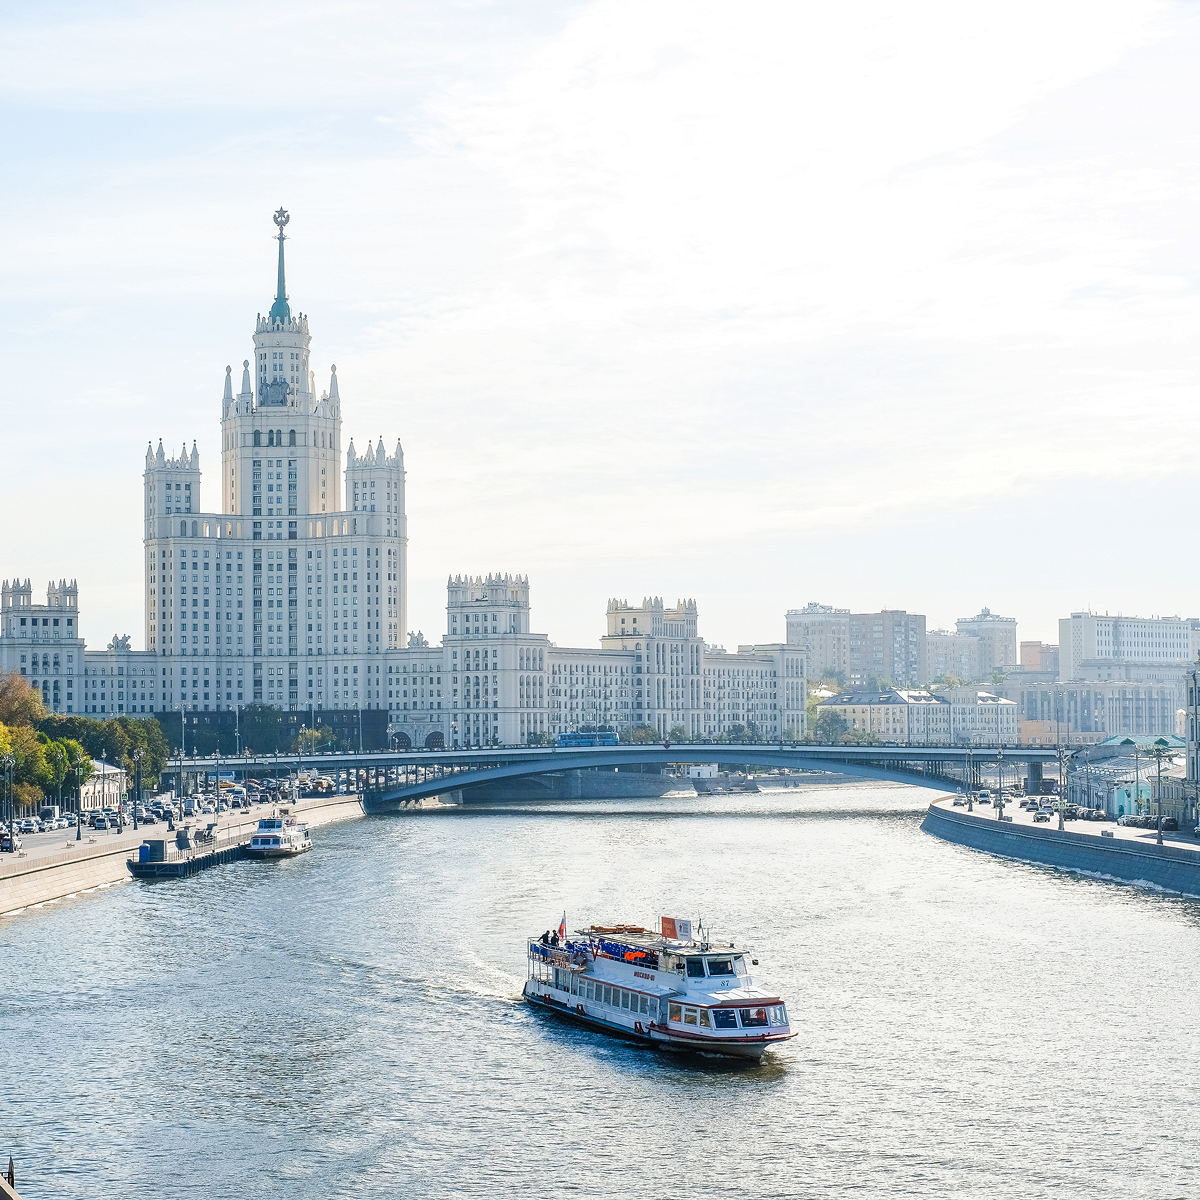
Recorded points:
(587,739)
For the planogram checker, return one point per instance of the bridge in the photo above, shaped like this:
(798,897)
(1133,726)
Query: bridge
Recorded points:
(399,777)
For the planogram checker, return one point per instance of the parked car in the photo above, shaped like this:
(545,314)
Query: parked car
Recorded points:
(10,843)
(1170,824)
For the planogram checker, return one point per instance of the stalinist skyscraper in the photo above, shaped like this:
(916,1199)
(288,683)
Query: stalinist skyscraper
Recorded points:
(283,592)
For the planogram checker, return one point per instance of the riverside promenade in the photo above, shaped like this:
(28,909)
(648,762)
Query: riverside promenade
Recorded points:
(53,868)
(1101,849)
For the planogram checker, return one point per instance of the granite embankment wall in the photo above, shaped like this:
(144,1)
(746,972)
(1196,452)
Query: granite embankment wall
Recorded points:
(1172,867)
(101,859)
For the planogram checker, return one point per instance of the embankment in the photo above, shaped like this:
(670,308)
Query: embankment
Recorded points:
(1125,858)
(100,859)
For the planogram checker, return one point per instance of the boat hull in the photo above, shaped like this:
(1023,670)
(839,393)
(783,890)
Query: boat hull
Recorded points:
(545,999)
(278,852)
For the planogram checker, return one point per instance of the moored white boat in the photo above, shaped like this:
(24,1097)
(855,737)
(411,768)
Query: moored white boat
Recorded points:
(675,992)
(279,837)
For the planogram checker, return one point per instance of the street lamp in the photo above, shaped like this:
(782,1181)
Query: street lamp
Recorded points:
(137,784)
(9,762)
(999,785)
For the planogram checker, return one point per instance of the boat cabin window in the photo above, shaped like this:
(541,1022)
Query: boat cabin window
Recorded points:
(752,1018)
(675,1012)
(724,1018)
(705,1023)
(779,1015)
(689,1016)
(695,968)
(720,966)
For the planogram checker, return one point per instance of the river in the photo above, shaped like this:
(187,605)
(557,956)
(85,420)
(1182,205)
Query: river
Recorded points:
(348,1023)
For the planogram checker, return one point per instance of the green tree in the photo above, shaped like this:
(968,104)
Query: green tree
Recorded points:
(640,735)
(829,727)
(879,683)
(677,733)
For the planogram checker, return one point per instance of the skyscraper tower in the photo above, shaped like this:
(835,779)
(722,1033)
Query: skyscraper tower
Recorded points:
(241,601)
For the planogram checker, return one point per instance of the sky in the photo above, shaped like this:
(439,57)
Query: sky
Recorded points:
(877,305)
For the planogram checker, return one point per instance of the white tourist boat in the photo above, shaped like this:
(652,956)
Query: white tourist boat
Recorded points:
(279,837)
(668,988)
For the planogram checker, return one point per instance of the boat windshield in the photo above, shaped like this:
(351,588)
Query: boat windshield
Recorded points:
(720,966)
(695,968)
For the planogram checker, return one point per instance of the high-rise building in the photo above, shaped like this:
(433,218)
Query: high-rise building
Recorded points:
(1136,649)
(997,640)
(1040,658)
(888,646)
(281,592)
(825,632)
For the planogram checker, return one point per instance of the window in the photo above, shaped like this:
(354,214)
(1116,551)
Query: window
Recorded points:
(689,1016)
(752,1018)
(675,1012)
(720,966)
(695,968)
(724,1018)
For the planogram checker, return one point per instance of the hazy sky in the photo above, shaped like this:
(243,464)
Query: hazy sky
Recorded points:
(875,304)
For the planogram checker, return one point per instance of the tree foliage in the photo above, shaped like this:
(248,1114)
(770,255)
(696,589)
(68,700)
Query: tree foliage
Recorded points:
(828,728)
(19,703)
(640,735)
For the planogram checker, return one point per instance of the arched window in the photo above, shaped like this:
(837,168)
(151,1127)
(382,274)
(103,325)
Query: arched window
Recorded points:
(291,437)
(258,437)
(270,437)
(183,529)
(195,529)
(279,437)
(323,446)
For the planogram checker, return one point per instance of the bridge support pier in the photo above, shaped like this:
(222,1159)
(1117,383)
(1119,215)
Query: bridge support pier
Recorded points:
(1033,779)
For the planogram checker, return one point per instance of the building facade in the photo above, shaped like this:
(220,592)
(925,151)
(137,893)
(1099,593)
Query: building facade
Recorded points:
(1095,708)
(282,592)
(962,716)
(887,645)
(1130,649)
(997,640)
(956,654)
(825,634)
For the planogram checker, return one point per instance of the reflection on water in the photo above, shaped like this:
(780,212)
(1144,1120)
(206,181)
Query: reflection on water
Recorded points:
(349,1024)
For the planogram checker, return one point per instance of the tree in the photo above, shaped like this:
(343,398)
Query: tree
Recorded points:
(879,683)
(640,735)
(308,741)
(677,733)
(829,727)
(790,734)
(19,703)
(998,677)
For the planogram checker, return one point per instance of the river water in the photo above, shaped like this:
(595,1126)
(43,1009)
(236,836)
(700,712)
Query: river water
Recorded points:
(348,1024)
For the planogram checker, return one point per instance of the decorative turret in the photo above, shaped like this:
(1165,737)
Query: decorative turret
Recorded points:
(333,387)
(246,388)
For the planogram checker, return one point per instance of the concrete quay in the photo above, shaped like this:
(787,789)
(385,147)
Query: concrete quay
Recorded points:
(55,867)
(1100,849)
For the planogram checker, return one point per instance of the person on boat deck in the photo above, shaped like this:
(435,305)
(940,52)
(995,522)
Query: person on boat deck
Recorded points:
(554,938)
(546,938)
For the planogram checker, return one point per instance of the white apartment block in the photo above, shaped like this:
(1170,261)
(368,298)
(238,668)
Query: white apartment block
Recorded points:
(958,716)
(1135,649)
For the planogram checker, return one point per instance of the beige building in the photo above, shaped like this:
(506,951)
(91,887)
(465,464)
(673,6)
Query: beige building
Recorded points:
(997,640)
(825,632)
(948,653)
(905,715)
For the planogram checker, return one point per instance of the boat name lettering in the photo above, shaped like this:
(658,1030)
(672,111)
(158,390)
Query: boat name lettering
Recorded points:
(643,975)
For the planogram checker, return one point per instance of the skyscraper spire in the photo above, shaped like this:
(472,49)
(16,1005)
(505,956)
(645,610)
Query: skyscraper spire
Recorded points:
(280,310)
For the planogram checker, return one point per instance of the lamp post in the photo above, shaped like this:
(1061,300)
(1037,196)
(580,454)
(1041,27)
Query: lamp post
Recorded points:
(9,761)
(137,784)
(1062,777)
(1159,752)
(999,785)
(357,706)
